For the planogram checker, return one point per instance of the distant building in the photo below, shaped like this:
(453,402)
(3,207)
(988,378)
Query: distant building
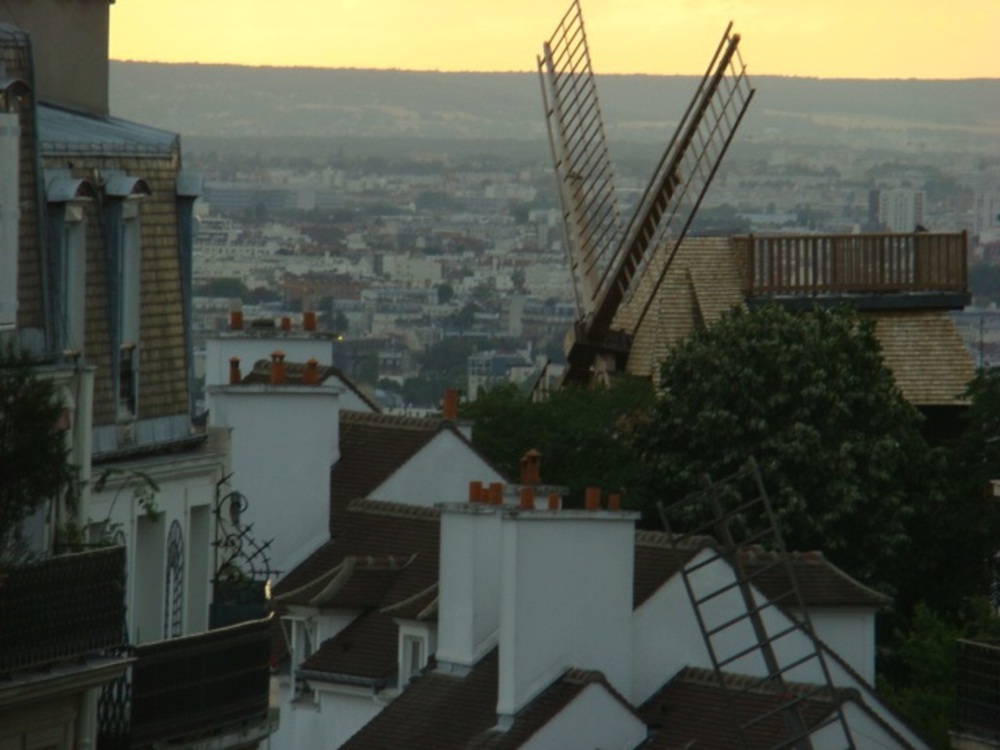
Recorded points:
(896,210)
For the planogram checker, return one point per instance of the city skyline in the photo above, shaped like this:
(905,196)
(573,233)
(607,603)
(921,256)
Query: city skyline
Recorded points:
(847,39)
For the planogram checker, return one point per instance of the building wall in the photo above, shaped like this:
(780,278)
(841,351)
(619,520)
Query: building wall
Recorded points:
(421,480)
(325,718)
(851,634)
(71,42)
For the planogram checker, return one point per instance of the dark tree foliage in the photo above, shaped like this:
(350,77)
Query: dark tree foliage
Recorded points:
(809,397)
(584,436)
(34,459)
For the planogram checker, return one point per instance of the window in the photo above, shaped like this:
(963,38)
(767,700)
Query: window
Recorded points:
(173,606)
(128,312)
(74,278)
(414,657)
(300,634)
(10,137)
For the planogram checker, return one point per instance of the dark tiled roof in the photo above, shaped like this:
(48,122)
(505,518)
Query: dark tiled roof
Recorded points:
(374,531)
(372,448)
(440,711)
(821,583)
(693,710)
(261,373)
(363,651)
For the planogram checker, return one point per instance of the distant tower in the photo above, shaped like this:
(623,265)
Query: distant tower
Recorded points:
(896,210)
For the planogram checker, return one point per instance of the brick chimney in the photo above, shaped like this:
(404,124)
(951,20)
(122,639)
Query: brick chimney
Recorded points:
(449,409)
(235,377)
(277,367)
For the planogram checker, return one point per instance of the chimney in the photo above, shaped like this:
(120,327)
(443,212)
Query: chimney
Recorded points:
(526,498)
(495,493)
(592,498)
(450,405)
(277,367)
(309,320)
(235,320)
(286,323)
(475,492)
(531,467)
(565,600)
(235,377)
(469,584)
(310,376)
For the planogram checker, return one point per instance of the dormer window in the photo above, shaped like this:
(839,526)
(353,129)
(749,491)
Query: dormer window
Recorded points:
(415,648)
(124,265)
(66,197)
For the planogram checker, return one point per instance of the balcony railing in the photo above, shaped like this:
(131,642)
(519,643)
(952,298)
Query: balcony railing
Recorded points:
(192,687)
(978,685)
(61,609)
(809,265)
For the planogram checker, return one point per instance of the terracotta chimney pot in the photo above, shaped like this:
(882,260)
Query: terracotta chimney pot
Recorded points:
(614,501)
(450,405)
(235,377)
(309,320)
(310,376)
(475,492)
(496,493)
(277,367)
(526,498)
(236,320)
(286,324)
(592,498)
(554,501)
(530,467)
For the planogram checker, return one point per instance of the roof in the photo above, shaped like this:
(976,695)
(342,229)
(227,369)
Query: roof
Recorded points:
(693,709)
(372,448)
(386,556)
(820,582)
(440,711)
(927,356)
(261,373)
(66,131)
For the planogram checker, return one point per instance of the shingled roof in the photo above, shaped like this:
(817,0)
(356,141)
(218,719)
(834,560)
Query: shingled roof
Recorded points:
(372,448)
(439,711)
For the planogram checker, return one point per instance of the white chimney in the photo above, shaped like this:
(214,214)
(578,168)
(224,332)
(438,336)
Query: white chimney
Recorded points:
(469,584)
(565,599)
(284,439)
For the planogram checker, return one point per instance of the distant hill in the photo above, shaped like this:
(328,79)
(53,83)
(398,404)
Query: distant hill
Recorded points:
(214,102)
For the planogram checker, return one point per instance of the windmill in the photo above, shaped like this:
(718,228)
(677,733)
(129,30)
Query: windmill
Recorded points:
(613,265)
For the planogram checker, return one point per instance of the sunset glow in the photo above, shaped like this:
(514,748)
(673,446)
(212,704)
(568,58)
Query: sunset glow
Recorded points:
(842,39)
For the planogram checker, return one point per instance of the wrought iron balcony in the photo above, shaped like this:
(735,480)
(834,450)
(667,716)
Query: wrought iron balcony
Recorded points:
(925,266)
(61,609)
(209,684)
(978,684)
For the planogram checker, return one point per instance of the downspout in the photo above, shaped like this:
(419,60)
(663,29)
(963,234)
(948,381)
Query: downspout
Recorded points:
(189,189)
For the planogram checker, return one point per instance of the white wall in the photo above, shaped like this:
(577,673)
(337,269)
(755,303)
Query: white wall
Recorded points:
(469,582)
(851,633)
(593,719)
(284,439)
(423,480)
(565,601)
(325,718)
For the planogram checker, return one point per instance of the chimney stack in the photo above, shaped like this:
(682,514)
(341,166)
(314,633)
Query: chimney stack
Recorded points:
(235,377)
(450,405)
(531,467)
(277,367)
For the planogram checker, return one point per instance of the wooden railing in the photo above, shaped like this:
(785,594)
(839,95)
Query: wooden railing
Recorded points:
(61,609)
(977,704)
(805,265)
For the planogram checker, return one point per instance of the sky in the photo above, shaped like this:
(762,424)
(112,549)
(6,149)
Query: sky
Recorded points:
(825,39)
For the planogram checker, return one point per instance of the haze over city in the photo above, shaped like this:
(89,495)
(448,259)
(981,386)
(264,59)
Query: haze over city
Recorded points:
(846,39)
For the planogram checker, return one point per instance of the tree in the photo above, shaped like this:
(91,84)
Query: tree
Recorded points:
(809,397)
(33,453)
(583,435)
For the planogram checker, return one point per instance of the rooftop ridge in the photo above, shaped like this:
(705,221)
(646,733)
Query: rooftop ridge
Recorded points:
(398,421)
(388,508)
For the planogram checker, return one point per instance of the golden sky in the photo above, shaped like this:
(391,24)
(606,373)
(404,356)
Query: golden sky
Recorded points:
(826,39)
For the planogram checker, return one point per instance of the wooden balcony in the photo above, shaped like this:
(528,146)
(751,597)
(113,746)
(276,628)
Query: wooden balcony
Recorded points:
(915,269)
(62,609)
(214,683)
(978,684)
